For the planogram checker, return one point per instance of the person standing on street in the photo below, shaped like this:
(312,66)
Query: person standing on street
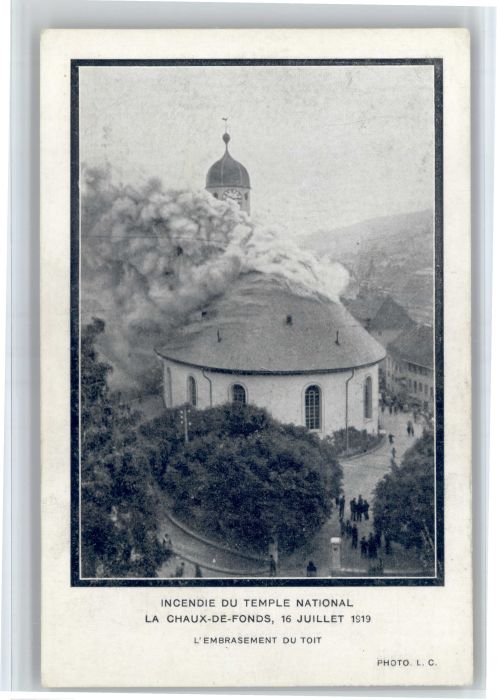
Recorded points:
(365,507)
(360,507)
(354,537)
(353,510)
(388,544)
(341,507)
(311,570)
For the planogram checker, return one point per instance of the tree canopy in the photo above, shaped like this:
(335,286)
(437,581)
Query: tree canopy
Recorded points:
(247,479)
(404,499)
(119,504)
(242,477)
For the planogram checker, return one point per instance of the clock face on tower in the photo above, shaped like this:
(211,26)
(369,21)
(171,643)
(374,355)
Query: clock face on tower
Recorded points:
(233,194)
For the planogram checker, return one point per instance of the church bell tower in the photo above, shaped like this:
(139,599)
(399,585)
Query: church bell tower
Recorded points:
(229,179)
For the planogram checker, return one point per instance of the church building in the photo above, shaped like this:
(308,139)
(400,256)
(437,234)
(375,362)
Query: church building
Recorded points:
(306,360)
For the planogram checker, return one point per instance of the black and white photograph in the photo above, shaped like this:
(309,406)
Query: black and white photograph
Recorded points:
(257,322)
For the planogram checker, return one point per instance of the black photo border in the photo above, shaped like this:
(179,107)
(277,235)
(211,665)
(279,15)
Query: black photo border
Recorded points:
(76,579)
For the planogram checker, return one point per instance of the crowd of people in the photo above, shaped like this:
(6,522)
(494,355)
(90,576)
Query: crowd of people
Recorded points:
(370,543)
(359,509)
(395,404)
(392,407)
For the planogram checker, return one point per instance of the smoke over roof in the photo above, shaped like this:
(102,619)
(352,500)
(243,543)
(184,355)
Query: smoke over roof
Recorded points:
(152,256)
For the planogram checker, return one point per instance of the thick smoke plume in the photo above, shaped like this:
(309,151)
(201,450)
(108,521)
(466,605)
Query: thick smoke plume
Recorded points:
(150,257)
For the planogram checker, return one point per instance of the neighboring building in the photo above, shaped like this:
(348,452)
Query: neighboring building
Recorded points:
(307,361)
(380,315)
(409,366)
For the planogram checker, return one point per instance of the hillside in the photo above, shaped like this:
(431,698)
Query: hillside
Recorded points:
(391,254)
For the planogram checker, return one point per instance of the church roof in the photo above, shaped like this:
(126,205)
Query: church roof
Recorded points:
(261,327)
(227,172)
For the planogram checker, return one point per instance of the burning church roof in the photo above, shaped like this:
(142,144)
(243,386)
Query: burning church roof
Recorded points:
(260,326)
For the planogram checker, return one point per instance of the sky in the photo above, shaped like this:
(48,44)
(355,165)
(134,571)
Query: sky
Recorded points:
(325,146)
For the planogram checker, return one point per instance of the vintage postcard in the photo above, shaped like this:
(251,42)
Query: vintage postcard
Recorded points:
(256,414)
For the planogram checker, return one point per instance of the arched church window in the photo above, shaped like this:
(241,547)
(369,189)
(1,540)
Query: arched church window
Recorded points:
(192,391)
(313,408)
(368,398)
(238,394)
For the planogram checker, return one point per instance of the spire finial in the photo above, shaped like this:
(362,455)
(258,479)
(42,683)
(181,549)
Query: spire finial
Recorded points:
(226,136)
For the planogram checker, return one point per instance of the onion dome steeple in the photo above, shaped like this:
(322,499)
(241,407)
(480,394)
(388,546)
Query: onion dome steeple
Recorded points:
(229,179)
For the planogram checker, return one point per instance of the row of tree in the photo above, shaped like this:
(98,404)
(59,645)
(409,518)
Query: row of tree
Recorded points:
(404,498)
(120,498)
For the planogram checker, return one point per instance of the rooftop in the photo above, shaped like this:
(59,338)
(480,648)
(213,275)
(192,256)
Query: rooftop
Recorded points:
(414,345)
(261,327)
(379,312)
